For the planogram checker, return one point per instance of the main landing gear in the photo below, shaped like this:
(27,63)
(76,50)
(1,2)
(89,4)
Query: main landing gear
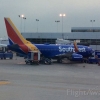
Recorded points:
(45,61)
(59,60)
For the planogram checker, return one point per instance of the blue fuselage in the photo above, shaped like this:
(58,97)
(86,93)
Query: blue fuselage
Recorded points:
(52,50)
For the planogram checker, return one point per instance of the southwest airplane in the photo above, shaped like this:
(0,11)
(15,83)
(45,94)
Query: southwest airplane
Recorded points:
(19,44)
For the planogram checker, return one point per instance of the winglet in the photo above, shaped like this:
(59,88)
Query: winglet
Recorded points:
(75,46)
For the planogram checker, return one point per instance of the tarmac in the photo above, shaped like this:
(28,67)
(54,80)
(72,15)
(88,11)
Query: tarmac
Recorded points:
(67,81)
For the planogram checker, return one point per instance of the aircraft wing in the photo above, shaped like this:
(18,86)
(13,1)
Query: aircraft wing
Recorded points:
(70,56)
(65,55)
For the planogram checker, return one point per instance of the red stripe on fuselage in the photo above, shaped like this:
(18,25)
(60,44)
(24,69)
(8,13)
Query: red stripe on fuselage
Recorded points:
(14,37)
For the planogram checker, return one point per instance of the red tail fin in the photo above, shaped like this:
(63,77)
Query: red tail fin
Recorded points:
(16,38)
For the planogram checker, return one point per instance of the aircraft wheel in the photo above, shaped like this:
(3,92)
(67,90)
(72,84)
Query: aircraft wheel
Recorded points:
(47,61)
(37,63)
(26,62)
(59,60)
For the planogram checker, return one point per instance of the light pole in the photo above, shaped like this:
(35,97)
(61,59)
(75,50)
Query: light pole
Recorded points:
(92,21)
(62,15)
(57,21)
(24,23)
(37,24)
(21,16)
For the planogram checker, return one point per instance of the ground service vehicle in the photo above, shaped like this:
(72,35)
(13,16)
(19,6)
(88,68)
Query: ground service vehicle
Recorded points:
(33,58)
(5,55)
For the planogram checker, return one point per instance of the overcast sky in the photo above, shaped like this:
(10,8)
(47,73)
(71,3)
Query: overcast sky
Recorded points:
(78,14)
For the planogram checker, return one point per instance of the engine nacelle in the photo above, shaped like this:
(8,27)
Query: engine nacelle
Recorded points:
(76,57)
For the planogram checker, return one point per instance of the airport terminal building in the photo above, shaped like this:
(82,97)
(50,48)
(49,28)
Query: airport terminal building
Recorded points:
(86,36)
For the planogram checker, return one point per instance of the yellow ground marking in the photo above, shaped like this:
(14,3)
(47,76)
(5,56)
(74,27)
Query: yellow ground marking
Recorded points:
(4,82)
